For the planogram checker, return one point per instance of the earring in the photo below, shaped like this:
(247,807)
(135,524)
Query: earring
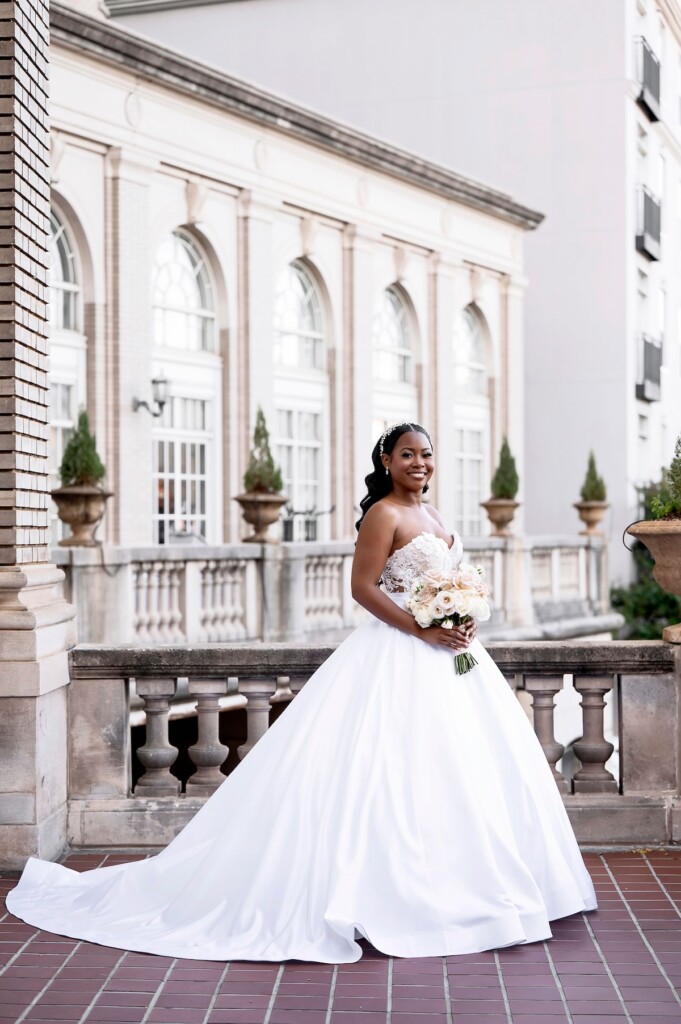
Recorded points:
(387,471)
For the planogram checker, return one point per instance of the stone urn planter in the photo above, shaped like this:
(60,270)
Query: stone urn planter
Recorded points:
(500,512)
(662,537)
(80,506)
(591,513)
(260,510)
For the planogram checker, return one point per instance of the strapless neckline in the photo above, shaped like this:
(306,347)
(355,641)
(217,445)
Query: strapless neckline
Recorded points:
(425,533)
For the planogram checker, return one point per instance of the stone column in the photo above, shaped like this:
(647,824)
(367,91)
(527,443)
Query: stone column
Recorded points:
(449,292)
(36,625)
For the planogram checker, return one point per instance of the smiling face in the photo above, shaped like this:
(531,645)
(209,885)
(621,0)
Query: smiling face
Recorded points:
(411,462)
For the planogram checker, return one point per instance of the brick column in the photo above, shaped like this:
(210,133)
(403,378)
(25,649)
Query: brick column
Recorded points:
(36,625)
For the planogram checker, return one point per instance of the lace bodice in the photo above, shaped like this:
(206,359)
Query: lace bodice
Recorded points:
(423,552)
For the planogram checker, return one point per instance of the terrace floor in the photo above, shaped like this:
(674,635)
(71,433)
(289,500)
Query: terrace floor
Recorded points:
(620,963)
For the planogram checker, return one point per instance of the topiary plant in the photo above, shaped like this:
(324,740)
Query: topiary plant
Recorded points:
(505,481)
(667,504)
(593,488)
(80,463)
(262,474)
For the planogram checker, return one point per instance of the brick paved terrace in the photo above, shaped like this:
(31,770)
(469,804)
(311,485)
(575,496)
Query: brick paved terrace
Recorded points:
(620,963)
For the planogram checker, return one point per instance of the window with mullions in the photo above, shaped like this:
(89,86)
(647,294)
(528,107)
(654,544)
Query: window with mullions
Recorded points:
(468,464)
(470,369)
(391,340)
(64,288)
(184,311)
(298,452)
(181,455)
(298,321)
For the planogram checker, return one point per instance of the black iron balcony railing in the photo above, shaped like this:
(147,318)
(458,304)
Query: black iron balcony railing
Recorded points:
(650,355)
(649,79)
(649,230)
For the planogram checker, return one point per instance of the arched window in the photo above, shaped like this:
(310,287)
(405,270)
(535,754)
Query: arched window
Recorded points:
(186,456)
(391,340)
(470,455)
(64,286)
(470,369)
(298,321)
(301,393)
(184,313)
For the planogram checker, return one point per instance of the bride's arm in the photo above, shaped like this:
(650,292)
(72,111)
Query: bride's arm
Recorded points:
(374,544)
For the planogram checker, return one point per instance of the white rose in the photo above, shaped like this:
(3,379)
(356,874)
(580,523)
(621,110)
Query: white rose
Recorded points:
(479,609)
(444,603)
(423,617)
(448,624)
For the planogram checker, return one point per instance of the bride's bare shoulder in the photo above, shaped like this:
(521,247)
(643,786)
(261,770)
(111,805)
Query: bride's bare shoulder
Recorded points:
(382,516)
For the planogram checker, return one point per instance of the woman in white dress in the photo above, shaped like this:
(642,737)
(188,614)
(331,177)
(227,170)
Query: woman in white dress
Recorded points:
(393,799)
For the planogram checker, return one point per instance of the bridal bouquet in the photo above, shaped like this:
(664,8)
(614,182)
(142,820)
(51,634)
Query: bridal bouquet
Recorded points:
(449,599)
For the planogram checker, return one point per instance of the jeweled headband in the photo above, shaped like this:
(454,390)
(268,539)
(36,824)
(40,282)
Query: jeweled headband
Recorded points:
(394,426)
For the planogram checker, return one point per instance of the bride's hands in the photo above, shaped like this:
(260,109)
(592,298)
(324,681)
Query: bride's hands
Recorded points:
(458,638)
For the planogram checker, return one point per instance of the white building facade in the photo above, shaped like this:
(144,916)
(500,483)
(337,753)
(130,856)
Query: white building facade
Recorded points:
(575,107)
(249,253)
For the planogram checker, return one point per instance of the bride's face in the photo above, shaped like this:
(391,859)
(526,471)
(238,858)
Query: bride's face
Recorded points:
(411,461)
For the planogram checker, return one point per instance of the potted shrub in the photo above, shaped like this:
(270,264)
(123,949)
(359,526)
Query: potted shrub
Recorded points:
(262,501)
(501,507)
(593,505)
(662,536)
(81,500)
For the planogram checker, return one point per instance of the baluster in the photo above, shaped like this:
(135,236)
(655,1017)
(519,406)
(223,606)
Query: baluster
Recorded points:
(157,754)
(207,753)
(141,600)
(203,614)
(152,603)
(593,750)
(223,631)
(164,614)
(543,690)
(239,599)
(258,693)
(283,692)
(175,615)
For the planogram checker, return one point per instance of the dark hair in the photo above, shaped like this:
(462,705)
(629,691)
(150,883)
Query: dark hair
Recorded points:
(379,483)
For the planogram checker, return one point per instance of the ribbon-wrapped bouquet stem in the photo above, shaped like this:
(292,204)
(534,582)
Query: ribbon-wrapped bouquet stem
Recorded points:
(450,599)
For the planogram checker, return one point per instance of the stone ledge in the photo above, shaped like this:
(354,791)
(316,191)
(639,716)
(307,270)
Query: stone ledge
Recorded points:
(148,823)
(625,657)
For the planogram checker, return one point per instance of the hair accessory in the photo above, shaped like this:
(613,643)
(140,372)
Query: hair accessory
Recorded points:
(385,433)
(394,426)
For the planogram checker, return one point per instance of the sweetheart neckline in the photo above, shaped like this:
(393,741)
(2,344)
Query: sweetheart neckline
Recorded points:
(426,533)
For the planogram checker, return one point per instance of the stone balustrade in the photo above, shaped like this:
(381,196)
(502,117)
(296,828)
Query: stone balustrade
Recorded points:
(640,805)
(545,587)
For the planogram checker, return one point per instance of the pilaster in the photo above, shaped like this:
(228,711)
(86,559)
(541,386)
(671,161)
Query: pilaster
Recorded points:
(129,174)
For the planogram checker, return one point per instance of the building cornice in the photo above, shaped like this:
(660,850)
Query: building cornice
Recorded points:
(142,6)
(126,50)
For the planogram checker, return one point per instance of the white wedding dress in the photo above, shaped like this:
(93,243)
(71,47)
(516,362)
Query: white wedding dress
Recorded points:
(392,798)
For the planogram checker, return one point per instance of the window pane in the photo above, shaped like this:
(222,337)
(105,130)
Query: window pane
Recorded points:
(298,321)
(184,316)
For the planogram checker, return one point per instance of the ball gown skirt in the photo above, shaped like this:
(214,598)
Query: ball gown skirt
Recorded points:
(392,798)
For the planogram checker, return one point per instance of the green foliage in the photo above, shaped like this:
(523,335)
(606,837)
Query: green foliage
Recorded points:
(667,504)
(593,488)
(262,473)
(505,481)
(646,607)
(80,463)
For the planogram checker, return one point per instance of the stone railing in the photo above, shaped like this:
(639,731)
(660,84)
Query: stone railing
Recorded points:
(546,587)
(638,805)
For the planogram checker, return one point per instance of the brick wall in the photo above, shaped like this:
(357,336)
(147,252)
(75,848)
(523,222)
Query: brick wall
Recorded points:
(24,227)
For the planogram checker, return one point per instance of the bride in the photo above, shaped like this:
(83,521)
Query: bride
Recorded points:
(393,798)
